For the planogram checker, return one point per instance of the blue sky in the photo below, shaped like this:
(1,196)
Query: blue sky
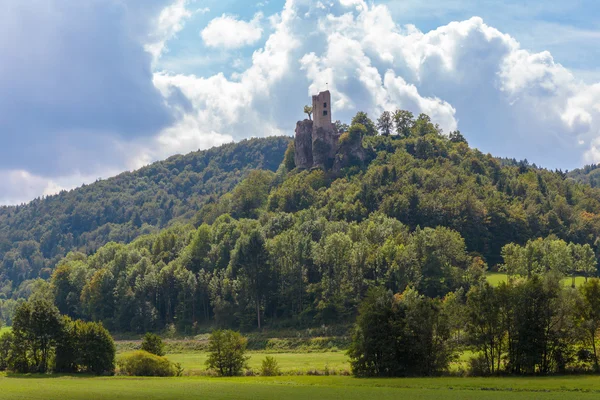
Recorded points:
(91,88)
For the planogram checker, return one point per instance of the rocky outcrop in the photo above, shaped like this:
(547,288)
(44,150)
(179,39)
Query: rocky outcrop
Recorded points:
(350,151)
(324,147)
(304,144)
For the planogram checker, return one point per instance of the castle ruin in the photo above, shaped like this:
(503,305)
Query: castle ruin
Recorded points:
(316,141)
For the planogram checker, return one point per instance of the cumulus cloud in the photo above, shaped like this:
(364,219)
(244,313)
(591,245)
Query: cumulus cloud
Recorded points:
(229,32)
(466,75)
(170,21)
(108,111)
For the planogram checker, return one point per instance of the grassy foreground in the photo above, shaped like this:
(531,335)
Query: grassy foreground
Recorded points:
(297,387)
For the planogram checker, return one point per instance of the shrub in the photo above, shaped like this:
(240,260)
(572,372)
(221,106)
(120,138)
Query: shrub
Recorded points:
(153,344)
(142,363)
(227,352)
(270,367)
(85,347)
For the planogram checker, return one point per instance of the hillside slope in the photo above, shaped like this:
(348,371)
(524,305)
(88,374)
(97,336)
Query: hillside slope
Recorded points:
(301,248)
(33,237)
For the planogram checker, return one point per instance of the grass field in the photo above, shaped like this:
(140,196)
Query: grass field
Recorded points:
(495,278)
(4,329)
(288,362)
(298,387)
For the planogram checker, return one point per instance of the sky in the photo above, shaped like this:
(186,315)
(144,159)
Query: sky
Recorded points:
(92,88)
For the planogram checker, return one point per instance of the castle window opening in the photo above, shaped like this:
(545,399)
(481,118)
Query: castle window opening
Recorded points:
(324,105)
(324,112)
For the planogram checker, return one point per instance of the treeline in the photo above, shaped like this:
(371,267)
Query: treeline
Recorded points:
(527,326)
(293,271)
(35,236)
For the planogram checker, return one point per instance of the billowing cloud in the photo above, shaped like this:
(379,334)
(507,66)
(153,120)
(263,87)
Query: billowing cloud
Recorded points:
(228,32)
(83,101)
(169,22)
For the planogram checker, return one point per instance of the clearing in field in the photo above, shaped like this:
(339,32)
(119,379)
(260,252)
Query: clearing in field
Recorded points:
(495,278)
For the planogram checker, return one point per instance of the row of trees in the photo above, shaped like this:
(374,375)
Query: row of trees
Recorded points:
(42,340)
(526,326)
(298,271)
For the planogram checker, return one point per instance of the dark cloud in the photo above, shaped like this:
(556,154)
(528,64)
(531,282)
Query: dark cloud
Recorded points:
(72,71)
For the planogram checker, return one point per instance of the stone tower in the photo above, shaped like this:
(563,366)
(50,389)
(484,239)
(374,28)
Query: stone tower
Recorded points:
(316,141)
(322,110)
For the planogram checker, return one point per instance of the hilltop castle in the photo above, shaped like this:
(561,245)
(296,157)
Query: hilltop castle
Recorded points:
(316,140)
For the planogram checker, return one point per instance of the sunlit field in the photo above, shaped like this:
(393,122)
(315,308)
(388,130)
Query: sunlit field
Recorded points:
(336,362)
(495,278)
(298,387)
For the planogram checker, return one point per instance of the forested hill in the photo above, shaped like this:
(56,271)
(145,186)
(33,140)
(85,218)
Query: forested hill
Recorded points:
(301,248)
(33,237)
(590,174)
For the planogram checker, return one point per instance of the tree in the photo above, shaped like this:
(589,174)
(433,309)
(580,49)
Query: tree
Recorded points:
(588,311)
(485,324)
(37,326)
(374,348)
(341,127)
(152,343)
(404,334)
(363,119)
(404,121)
(289,160)
(308,110)
(250,262)
(227,351)
(385,123)
(457,137)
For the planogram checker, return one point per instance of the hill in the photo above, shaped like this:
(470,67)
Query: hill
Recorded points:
(590,174)
(300,248)
(34,236)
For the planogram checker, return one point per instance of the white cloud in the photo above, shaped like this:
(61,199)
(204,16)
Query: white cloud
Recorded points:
(170,22)
(466,75)
(228,32)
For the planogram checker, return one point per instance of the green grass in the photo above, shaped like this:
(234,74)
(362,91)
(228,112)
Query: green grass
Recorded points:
(495,278)
(288,362)
(4,329)
(298,387)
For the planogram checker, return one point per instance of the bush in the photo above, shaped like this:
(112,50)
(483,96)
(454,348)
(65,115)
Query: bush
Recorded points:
(142,363)
(227,352)
(85,347)
(153,344)
(270,367)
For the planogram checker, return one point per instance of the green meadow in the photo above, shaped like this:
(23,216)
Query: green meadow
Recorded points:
(289,363)
(495,278)
(297,387)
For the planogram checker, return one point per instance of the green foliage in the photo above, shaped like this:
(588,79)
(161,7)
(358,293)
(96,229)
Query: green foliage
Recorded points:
(361,118)
(142,363)
(227,351)
(35,236)
(152,343)
(588,313)
(400,335)
(270,367)
(6,343)
(385,123)
(289,161)
(37,326)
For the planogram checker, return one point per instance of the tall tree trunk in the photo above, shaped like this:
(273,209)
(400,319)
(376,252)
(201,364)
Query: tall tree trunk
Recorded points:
(258,312)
